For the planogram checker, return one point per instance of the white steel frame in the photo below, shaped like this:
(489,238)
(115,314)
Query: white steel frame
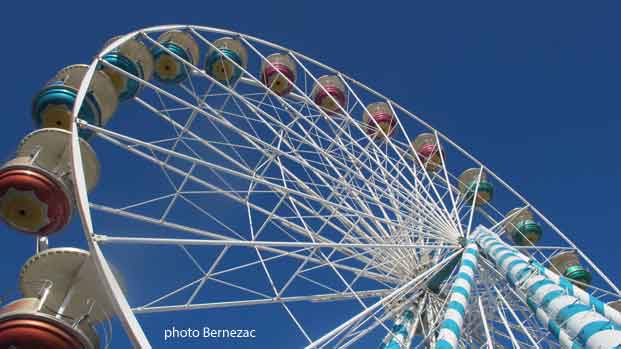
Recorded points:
(377,203)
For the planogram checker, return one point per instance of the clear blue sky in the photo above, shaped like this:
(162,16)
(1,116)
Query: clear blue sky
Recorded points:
(532,89)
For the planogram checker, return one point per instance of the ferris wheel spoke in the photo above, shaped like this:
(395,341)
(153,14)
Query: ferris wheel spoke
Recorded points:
(433,328)
(183,228)
(191,89)
(195,110)
(412,284)
(324,257)
(370,144)
(146,202)
(432,215)
(363,204)
(234,147)
(170,294)
(368,266)
(395,195)
(262,114)
(348,222)
(296,273)
(264,267)
(297,323)
(349,181)
(313,126)
(295,87)
(305,194)
(315,298)
(248,121)
(355,336)
(317,283)
(473,202)
(207,275)
(164,171)
(267,103)
(484,321)
(438,224)
(360,244)
(336,169)
(315,185)
(375,322)
(448,185)
(507,219)
(349,257)
(343,280)
(432,271)
(185,129)
(176,195)
(232,285)
(192,258)
(211,276)
(421,165)
(295,209)
(387,191)
(165,111)
(210,216)
(344,233)
(514,341)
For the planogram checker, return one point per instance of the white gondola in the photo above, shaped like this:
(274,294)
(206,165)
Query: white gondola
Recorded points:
(219,63)
(134,58)
(168,68)
(568,264)
(53,105)
(36,189)
(329,94)
(278,73)
(61,305)
(378,120)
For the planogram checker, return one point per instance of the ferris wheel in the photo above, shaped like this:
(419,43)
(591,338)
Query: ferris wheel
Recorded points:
(230,174)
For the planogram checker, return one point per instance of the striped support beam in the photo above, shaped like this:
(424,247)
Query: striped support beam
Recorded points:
(555,329)
(575,324)
(581,294)
(401,331)
(451,326)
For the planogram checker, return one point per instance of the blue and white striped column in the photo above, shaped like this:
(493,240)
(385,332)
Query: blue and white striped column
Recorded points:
(575,324)
(581,294)
(564,340)
(451,326)
(401,331)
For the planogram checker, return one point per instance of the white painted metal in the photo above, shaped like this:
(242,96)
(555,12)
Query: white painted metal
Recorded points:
(343,203)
